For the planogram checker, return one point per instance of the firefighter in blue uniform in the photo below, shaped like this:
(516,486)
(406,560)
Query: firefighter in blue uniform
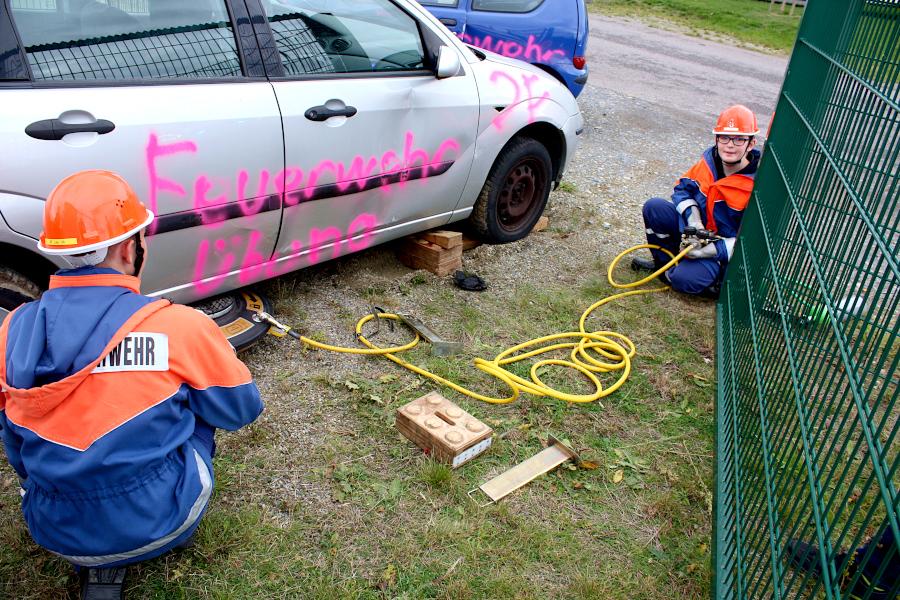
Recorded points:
(711,195)
(110,399)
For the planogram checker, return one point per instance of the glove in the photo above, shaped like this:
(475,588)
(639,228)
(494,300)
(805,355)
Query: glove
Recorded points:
(693,217)
(707,251)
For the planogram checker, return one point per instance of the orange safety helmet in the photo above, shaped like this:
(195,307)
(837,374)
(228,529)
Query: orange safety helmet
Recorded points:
(736,120)
(91,210)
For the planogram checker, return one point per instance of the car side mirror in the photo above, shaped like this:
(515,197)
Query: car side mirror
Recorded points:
(448,64)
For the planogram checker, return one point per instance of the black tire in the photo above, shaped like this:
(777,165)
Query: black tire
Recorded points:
(515,193)
(16,289)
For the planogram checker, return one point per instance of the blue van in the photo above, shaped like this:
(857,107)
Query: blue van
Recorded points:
(551,34)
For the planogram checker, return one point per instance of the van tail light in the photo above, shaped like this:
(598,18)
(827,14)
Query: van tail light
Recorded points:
(579,61)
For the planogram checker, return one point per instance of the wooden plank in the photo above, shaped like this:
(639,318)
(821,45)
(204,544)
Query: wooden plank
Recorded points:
(469,243)
(440,268)
(444,239)
(417,253)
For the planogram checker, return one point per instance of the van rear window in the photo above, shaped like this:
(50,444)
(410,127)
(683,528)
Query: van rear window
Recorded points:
(510,6)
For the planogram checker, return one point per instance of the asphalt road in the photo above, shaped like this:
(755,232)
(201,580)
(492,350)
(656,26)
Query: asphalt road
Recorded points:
(679,73)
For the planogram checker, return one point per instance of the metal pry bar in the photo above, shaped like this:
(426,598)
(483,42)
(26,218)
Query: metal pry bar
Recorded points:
(439,346)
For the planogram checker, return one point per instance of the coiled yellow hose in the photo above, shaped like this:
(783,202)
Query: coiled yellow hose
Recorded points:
(591,351)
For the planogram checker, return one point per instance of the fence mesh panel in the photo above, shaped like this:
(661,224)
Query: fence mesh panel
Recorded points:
(808,461)
(206,50)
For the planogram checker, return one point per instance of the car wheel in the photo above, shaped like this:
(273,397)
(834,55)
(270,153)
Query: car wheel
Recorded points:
(16,289)
(515,193)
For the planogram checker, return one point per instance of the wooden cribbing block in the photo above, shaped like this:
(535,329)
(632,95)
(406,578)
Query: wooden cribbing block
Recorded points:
(441,428)
(418,253)
(469,243)
(444,239)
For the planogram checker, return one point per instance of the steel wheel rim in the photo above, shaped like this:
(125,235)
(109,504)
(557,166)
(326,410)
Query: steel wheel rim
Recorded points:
(519,197)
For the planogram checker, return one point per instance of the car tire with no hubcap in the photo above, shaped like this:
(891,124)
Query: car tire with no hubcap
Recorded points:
(16,289)
(515,193)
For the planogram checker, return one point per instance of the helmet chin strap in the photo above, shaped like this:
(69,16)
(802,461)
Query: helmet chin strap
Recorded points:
(138,254)
(734,162)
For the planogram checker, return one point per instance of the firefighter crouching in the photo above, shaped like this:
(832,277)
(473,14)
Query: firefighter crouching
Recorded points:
(711,195)
(112,398)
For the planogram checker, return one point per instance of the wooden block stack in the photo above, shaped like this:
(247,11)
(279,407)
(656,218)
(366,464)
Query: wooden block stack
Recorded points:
(469,243)
(437,251)
(447,432)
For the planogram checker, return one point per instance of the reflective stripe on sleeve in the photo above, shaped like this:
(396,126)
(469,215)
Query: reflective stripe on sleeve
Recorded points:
(729,245)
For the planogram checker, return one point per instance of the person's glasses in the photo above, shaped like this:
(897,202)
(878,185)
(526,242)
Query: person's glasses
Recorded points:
(737,140)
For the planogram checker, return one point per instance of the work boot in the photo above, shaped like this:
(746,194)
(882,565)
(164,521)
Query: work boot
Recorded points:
(804,557)
(188,543)
(102,584)
(711,292)
(642,264)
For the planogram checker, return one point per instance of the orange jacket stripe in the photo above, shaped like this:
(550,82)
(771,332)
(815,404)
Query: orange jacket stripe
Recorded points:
(700,173)
(81,420)
(733,190)
(3,329)
(126,281)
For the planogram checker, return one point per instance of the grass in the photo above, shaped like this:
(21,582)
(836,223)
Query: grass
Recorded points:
(352,510)
(745,22)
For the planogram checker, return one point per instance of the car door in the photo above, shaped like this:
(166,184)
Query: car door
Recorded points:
(376,146)
(452,13)
(164,93)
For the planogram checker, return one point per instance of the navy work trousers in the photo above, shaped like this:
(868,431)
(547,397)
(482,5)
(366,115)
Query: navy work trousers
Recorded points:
(690,276)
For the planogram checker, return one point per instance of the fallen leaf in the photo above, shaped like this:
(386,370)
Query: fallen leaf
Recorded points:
(350,385)
(389,577)
(590,466)
(618,476)
(387,378)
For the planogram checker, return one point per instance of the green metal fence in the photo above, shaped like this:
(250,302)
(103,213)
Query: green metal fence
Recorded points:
(808,461)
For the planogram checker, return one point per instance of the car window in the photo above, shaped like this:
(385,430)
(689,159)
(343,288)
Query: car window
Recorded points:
(126,39)
(340,36)
(511,6)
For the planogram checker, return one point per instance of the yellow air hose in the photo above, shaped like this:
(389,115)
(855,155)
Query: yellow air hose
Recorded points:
(591,352)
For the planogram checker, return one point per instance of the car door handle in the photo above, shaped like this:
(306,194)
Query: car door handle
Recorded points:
(448,22)
(323,113)
(54,129)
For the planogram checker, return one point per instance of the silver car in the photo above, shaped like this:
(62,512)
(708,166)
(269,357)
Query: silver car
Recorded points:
(267,136)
